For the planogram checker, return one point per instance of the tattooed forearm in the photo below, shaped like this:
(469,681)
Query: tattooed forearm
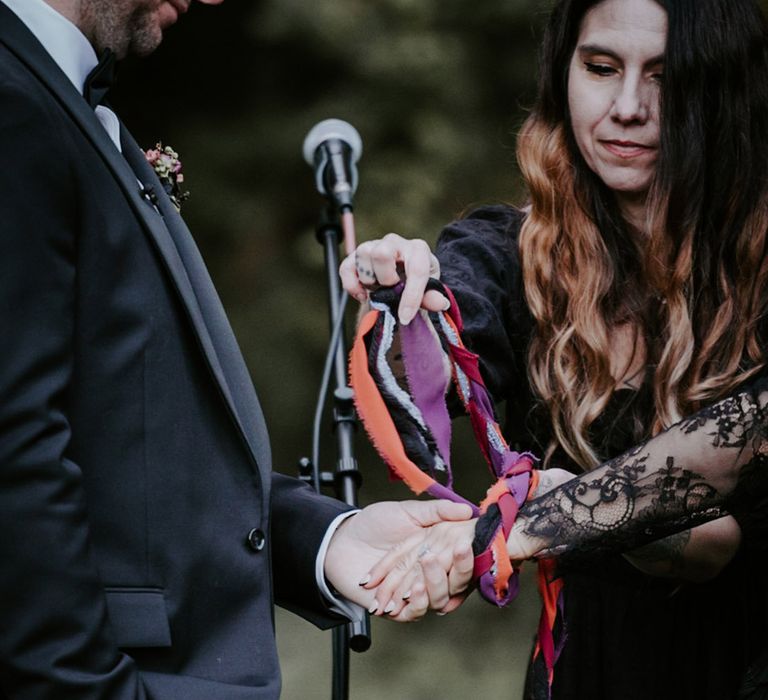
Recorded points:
(546,482)
(666,555)
(670,549)
(681,478)
(619,509)
(693,555)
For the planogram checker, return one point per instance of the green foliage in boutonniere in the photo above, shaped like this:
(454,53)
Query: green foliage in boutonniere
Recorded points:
(167,165)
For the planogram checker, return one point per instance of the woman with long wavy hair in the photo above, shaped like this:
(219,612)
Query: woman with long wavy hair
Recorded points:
(628,292)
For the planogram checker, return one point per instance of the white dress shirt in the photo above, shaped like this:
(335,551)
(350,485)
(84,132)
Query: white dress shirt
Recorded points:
(68,47)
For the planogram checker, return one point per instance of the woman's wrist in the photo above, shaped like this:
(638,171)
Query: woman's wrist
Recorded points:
(520,545)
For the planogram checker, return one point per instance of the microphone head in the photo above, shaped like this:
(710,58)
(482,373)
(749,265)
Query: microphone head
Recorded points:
(332,129)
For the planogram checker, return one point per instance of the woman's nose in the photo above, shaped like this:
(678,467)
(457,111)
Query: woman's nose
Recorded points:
(631,103)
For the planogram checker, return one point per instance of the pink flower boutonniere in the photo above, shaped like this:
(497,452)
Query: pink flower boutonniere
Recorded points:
(167,165)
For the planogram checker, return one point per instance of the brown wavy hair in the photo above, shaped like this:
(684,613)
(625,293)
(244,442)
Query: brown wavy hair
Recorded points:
(694,290)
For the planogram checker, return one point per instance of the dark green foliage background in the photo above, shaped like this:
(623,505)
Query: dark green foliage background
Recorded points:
(437,89)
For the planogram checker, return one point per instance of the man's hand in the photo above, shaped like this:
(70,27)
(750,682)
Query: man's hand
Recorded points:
(390,536)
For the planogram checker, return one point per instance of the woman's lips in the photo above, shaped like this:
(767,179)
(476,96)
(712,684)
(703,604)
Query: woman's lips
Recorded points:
(627,149)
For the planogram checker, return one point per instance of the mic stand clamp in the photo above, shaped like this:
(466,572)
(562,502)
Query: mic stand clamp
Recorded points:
(308,473)
(344,417)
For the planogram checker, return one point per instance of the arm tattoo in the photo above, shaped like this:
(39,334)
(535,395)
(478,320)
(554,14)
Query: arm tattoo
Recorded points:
(681,478)
(545,482)
(669,550)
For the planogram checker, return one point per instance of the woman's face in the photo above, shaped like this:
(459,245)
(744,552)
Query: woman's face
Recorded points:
(613,93)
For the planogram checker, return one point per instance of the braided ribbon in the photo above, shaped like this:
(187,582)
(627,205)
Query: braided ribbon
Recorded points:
(406,416)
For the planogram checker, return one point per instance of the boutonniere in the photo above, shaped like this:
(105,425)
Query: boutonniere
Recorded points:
(167,165)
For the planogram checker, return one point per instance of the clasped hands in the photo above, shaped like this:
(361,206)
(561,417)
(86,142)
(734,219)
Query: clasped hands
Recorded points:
(400,559)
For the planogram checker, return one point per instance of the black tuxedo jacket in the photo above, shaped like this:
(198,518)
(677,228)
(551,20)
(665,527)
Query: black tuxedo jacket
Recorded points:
(140,523)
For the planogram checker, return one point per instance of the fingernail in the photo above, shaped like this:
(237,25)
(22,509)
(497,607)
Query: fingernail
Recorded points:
(441,614)
(364,580)
(390,607)
(406,315)
(406,595)
(373,608)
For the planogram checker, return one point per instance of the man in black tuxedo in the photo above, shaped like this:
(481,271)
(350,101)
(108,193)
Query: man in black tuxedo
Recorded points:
(143,536)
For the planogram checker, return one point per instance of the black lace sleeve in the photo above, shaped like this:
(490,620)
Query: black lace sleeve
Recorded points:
(707,465)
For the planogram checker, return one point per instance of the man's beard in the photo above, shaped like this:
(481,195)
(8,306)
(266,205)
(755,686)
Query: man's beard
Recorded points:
(133,30)
(145,34)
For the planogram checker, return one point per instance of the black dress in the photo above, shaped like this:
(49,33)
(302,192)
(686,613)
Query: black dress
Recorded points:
(630,636)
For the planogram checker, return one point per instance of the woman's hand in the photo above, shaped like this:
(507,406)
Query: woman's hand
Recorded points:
(384,262)
(379,533)
(430,570)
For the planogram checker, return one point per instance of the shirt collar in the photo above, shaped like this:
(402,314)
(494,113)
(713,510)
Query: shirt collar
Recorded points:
(66,44)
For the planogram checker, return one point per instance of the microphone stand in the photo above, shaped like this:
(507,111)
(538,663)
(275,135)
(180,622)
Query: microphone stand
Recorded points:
(346,479)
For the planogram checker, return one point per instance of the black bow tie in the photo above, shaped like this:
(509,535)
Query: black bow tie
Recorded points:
(100,79)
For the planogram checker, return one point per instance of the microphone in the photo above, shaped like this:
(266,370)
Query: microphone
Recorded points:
(332,148)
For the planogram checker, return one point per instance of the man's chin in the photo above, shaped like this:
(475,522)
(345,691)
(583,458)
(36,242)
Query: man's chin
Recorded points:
(146,41)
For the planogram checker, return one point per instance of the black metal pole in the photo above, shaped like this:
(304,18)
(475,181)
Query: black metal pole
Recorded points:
(346,477)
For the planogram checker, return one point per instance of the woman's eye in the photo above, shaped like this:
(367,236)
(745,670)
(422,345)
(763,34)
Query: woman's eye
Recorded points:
(657,77)
(599,68)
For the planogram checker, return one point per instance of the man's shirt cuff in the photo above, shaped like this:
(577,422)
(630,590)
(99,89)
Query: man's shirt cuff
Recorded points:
(337,604)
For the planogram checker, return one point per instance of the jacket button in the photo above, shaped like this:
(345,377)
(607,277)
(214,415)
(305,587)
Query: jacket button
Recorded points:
(256,539)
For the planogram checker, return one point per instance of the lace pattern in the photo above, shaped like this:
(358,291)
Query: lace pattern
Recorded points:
(694,472)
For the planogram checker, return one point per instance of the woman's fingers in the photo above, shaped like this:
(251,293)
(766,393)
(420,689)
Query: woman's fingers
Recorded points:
(418,604)
(455,602)
(394,591)
(385,262)
(431,591)
(382,258)
(409,591)
(460,575)
(350,279)
(418,264)
(431,573)
(427,588)
(436,581)
(435,301)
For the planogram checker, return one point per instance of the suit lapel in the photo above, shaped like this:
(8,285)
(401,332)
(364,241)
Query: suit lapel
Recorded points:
(214,329)
(169,234)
